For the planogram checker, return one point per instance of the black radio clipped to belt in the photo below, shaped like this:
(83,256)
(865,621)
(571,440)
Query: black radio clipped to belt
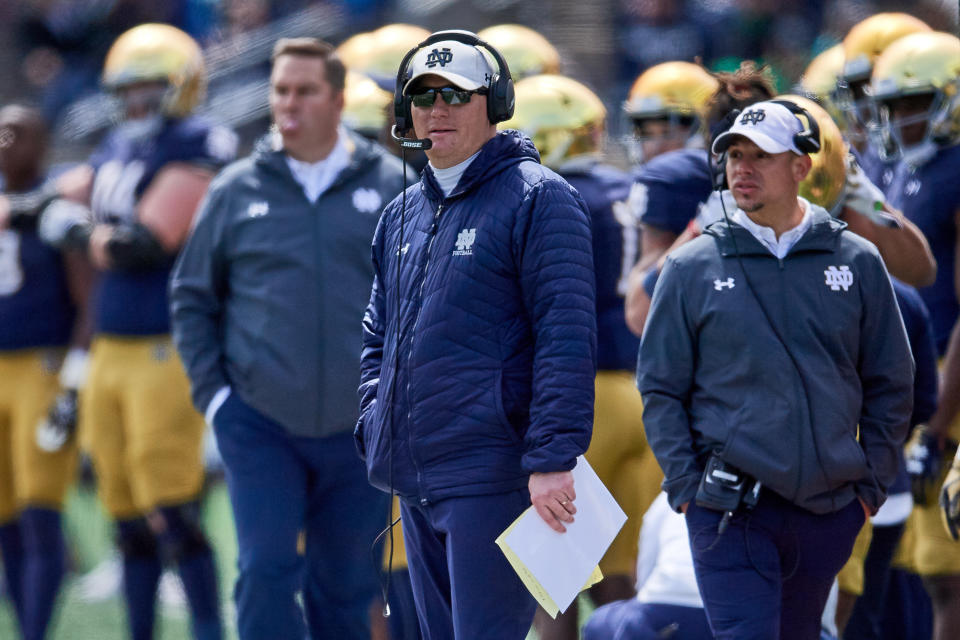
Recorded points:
(724,488)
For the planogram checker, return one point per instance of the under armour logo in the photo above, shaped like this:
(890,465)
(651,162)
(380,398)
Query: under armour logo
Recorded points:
(257,209)
(719,284)
(440,57)
(403,250)
(465,242)
(837,278)
(752,116)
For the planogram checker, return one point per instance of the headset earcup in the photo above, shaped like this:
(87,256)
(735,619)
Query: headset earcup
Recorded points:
(500,99)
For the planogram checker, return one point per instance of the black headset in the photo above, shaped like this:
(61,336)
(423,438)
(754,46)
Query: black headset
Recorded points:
(500,95)
(807,140)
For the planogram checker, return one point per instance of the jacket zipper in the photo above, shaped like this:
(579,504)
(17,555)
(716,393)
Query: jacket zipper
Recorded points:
(413,331)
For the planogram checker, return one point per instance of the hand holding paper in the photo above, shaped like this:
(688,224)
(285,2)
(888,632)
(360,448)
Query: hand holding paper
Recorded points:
(552,496)
(555,567)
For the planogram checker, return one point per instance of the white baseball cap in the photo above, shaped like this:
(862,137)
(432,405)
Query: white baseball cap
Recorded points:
(462,64)
(769,125)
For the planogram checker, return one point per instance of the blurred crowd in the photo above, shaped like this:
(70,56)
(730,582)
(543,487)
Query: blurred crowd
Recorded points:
(55,49)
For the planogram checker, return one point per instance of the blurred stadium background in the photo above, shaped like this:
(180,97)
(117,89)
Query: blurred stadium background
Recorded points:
(51,54)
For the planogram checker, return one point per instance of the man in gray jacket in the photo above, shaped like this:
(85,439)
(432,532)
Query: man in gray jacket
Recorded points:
(266,301)
(770,339)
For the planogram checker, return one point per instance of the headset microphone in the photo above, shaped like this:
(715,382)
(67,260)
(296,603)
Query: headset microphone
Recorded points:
(419,144)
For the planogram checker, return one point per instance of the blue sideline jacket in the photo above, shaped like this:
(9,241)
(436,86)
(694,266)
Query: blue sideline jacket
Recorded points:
(497,331)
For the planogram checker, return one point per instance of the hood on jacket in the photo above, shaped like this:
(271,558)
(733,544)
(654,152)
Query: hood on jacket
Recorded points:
(504,150)
(823,234)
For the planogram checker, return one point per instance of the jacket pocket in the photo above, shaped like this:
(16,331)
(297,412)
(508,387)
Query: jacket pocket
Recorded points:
(850,463)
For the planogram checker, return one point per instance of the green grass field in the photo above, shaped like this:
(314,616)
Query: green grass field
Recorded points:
(90,540)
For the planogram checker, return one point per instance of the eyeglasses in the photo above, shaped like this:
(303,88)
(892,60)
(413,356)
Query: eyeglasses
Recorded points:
(450,95)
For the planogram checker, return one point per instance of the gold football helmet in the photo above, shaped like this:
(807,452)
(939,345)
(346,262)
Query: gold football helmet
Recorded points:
(364,105)
(920,65)
(824,184)
(820,79)
(675,93)
(378,53)
(861,48)
(564,118)
(159,52)
(527,52)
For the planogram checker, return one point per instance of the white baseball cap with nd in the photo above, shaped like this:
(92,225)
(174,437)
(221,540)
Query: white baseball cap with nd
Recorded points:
(769,125)
(463,65)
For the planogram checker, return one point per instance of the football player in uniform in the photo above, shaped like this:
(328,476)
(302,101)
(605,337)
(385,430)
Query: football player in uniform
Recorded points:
(669,189)
(526,51)
(41,295)
(142,186)
(819,80)
(565,120)
(666,106)
(674,185)
(377,53)
(861,47)
(916,86)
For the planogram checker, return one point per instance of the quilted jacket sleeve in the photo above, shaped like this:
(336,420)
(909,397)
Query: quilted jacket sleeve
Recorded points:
(373,332)
(558,287)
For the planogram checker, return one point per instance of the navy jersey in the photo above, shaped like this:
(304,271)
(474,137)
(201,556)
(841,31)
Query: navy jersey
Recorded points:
(670,188)
(616,242)
(930,198)
(135,302)
(878,170)
(35,305)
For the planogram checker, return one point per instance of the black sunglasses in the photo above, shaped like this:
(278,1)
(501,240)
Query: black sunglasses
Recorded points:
(450,95)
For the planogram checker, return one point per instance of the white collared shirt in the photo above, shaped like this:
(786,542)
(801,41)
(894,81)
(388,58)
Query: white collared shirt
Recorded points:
(768,238)
(449,178)
(317,177)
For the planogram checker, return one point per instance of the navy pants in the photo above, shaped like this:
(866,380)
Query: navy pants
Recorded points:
(279,486)
(463,586)
(635,620)
(768,576)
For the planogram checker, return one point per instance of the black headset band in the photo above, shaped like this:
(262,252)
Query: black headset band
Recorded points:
(811,128)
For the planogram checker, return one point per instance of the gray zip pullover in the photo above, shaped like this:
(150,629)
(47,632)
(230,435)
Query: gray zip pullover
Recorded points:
(268,294)
(714,375)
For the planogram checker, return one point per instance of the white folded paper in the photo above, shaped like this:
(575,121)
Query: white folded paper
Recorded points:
(555,567)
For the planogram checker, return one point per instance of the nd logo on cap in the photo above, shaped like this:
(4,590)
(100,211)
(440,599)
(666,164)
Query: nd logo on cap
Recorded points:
(752,116)
(439,56)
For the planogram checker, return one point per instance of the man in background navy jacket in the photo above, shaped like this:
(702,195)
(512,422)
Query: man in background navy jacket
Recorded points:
(479,356)
(265,302)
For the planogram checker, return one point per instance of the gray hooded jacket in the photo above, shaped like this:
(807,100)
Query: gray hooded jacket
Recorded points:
(715,376)
(268,294)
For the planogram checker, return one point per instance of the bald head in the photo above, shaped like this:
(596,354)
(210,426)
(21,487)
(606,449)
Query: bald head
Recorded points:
(23,144)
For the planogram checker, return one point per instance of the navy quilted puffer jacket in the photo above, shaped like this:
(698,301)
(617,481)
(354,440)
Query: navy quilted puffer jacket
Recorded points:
(496,331)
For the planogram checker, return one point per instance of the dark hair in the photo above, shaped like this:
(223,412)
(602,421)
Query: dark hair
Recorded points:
(738,90)
(336,73)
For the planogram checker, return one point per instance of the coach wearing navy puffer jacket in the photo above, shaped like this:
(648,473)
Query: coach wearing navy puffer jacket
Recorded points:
(477,392)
